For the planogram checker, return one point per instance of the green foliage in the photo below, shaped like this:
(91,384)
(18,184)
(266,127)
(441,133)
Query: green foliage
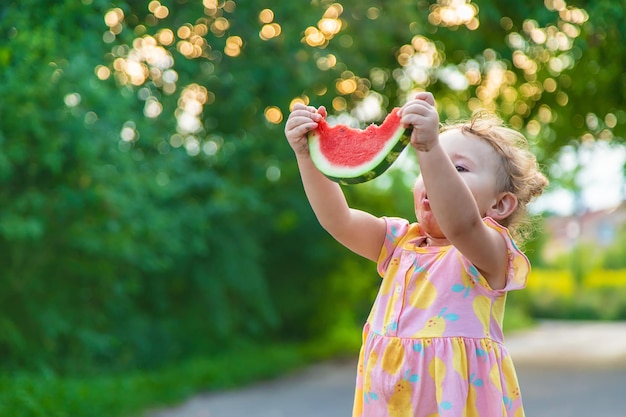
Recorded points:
(583,304)
(599,294)
(115,255)
(535,244)
(614,257)
(518,316)
(26,395)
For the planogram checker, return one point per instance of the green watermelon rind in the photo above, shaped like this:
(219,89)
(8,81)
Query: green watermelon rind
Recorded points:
(368,170)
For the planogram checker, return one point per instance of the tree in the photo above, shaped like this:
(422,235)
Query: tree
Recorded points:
(151,208)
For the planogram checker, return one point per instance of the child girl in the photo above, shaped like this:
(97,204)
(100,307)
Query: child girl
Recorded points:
(433,344)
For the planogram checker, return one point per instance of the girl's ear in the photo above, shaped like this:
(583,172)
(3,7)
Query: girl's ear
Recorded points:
(503,207)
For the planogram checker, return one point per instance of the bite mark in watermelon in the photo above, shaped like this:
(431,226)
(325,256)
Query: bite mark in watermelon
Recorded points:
(353,156)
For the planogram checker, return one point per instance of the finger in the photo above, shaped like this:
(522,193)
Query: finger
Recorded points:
(302,110)
(417,106)
(299,130)
(298,118)
(415,120)
(416,111)
(302,106)
(306,111)
(426,96)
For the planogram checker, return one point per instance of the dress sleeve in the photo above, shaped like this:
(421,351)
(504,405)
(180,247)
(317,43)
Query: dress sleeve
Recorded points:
(396,229)
(518,265)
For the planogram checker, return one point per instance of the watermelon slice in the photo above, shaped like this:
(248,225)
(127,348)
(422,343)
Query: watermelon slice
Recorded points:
(353,156)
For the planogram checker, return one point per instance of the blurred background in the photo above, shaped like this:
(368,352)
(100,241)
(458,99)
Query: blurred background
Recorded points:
(155,240)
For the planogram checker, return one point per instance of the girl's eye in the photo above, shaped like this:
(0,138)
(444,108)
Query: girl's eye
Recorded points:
(459,168)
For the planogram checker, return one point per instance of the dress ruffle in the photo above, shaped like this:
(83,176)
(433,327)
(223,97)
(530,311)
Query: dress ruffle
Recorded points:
(445,376)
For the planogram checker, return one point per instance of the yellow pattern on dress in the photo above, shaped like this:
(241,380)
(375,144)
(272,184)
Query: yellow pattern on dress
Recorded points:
(437,370)
(393,357)
(400,404)
(424,293)
(434,327)
(482,309)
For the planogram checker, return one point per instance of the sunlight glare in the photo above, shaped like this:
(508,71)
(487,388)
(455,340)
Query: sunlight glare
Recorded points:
(454,13)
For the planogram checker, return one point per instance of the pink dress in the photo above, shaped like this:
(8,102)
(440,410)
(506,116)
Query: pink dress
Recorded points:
(433,344)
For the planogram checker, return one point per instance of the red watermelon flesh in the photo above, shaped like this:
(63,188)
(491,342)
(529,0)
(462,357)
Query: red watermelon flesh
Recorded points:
(350,156)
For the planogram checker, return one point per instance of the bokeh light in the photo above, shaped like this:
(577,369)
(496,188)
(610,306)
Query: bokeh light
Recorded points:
(114,17)
(327,27)
(269,31)
(214,8)
(454,13)
(158,10)
(346,86)
(153,108)
(72,100)
(272,173)
(418,61)
(340,104)
(102,72)
(165,37)
(129,132)
(192,42)
(233,46)
(220,26)
(302,100)
(273,115)
(266,16)
(327,62)
(190,106)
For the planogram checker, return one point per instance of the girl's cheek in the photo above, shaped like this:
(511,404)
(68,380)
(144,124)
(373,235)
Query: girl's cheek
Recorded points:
(418,186)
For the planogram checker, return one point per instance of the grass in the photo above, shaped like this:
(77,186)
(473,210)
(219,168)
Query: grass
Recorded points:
(27,395)
(128,395)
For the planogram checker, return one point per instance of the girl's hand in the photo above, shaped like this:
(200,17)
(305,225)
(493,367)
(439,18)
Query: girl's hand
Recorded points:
(422,115)
(300,122)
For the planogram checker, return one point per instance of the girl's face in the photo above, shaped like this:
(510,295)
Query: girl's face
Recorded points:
(479,166)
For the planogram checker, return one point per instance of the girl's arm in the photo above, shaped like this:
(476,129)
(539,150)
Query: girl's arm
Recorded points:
(450,198)
(357,230)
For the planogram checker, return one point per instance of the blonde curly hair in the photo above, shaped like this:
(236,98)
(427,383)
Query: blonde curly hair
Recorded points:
(521,175)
